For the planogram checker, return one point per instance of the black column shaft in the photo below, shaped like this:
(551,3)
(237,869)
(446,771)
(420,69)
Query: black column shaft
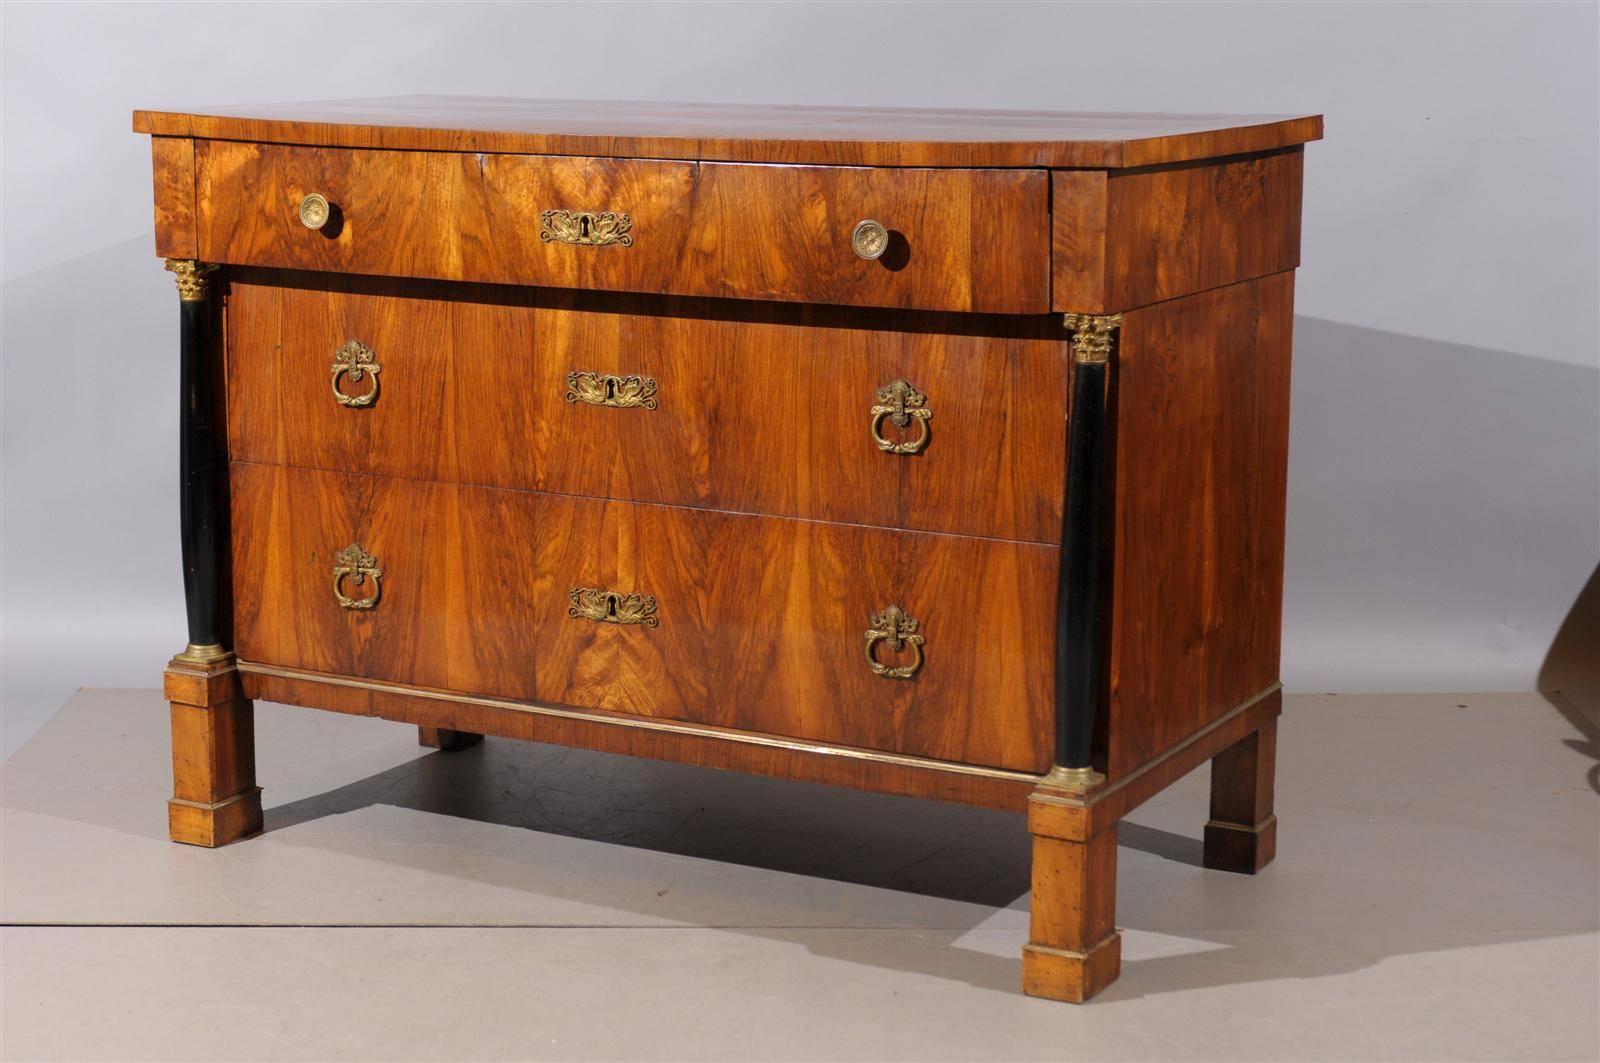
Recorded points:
(1079,591)
(202,464)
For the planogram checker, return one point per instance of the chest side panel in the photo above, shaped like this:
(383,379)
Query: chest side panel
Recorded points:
(1201,408)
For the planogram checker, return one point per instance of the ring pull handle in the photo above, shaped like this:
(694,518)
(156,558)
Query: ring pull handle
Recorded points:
(900,404)
(586,228)
(611,607)
(315,210)
(899,632)
(356,361)
(356,565)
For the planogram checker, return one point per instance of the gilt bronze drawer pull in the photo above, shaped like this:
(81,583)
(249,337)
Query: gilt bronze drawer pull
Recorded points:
(894,627)
(358,566)
(356,360)
(900,404)
(609,607)
(603,389)
(586,228)
(869,239)
(315,211)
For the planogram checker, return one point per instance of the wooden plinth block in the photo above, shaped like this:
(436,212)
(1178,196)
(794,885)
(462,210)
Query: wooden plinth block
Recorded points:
(211,825)
(215,799)
(1057,974)
(1242,835)
(446,740)
(1074,950)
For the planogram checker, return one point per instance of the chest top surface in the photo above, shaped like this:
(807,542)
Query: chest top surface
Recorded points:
(867,136)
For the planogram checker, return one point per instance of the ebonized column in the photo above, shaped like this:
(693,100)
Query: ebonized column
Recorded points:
(1079,594)
(202,465)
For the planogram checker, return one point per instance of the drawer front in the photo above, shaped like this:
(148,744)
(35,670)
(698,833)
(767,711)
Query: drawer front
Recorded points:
(753,623)
(967,240)
(789,412)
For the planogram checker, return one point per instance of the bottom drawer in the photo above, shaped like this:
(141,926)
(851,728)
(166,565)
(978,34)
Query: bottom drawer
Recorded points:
(756,623)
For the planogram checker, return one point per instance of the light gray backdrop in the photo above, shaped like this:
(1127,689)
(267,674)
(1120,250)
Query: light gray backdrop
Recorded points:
(1444,508)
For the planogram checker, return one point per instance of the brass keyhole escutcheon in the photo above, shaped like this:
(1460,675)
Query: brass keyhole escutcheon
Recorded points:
(315,211)
(869,239)
(900,404)
(356,362)
(606,389)
(612,607)
(898,632)
(586,228)
(355,565)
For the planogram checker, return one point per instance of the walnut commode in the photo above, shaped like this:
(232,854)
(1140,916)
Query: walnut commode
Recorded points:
(932,453)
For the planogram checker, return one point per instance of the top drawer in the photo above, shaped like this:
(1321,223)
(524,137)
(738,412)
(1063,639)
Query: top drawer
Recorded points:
(963,240)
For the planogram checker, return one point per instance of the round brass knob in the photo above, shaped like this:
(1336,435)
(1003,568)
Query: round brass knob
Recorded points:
(870,239)
(314,211)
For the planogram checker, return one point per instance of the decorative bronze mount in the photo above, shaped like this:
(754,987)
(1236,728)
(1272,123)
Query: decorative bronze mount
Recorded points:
(610,607)
(1092,336)
(356,360)
(191,277)
(900,403)
(869,239)
(894,627)
(586,228)
(315,210)
(355,564)
(603,389)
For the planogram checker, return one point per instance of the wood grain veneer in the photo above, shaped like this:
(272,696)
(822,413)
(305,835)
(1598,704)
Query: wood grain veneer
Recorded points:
(762,620)
(1202,437)
(849,136)
(974,240)
(172,162)
(1125,239)
(755,412)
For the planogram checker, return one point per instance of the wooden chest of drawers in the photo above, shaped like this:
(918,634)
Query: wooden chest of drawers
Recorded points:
(935,453)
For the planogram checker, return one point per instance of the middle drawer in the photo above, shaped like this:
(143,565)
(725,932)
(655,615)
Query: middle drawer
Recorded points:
(848,416)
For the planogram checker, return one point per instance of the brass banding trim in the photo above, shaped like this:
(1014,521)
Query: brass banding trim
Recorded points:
(645,724)
(213,806)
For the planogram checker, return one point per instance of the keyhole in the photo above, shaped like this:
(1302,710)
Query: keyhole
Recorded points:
(584,226)
(611,605)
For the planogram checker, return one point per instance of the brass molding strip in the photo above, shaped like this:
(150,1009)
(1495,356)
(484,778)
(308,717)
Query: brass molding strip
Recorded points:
(224,803)
(646,724)
(1104,792)
(1069,954)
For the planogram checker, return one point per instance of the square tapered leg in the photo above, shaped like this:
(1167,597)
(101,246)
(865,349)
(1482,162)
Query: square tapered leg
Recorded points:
(1073,950)
(1242,835)
(215,799)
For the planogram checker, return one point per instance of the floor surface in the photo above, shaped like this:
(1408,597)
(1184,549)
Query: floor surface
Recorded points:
(1436,896)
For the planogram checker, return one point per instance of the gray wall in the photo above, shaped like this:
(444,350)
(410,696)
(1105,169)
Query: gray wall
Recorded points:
(1445,463)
